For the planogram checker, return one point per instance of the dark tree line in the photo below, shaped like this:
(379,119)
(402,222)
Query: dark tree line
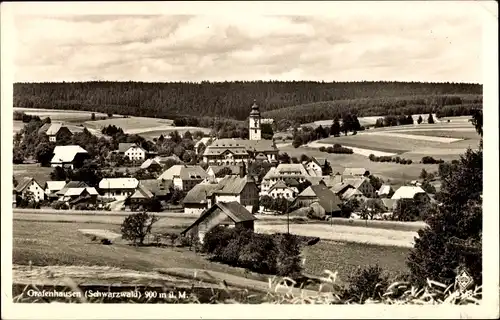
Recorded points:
(230,99)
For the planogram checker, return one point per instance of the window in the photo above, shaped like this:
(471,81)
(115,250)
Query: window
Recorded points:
(255,130)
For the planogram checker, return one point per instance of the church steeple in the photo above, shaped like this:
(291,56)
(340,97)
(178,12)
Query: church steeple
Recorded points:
(254,122)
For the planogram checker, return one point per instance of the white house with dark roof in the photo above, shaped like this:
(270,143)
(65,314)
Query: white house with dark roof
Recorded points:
(281,190)
(132,151)
(363,185)
(243,190)
(230,214)
(284,171)
(318,166)
(71,156)
(410,192)
(385,191)
(30,185)
(184,177)
(199,198)
(54,130)
(118,188)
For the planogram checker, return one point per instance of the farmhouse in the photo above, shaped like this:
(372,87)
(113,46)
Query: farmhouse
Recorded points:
(69,156)
(363,185)
(234,151)
(51,187)
(55,131)
(230,214)
(410,192)
(199,198)
(340,188)
(29,186)
(132,151)
(357,172)
(118,188)
(71,185)
(141,195)
(159,188)
(353,193)
(184,177)
(281,190)
(283,171)
(242,190)
(385,191)
(78,195)
(318,166)
(327,202)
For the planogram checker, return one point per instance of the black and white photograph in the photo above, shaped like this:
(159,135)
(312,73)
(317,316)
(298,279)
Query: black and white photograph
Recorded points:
(259,154)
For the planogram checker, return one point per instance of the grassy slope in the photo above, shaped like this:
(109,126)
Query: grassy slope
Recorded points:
(56,243)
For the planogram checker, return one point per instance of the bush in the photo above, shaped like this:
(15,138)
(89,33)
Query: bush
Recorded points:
(288,261)
(397,159)
(59,205)
(322,149)
(431,160)
(366,283)
(137,226)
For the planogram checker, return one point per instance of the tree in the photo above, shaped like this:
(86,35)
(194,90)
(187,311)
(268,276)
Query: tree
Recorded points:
(427,187)
(348,207)
(453,237)
(46,120)
(176,195)
(267,131)
(60,174)
(187,135)
(430,119)
(43,153)
(297,141)
(376,182)
(423,174)
(137,226)
(335,128)
(370,209)
(477,121)
(419,121)
(223,172)
(14,181)
(92,116)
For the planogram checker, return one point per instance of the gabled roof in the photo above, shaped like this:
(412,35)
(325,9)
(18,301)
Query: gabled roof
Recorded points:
(260,156)
(142,193)
(331,181)
(231,185)
(354,171)
(340,187)
(356,182)
(388,203)
(66,153)
(351,192)
(233,210)
(278,185)
(199,193)
(71,184)
(254,146)
(326,198)
(319,161)
(211,151)
(203,140)
(291,182)
(407,192)
(184,172)
(157,187)
(21,186)
(118,183)
(149,162)
(314,180)
(51,129)
(287,169)
(78,191)
(124,146)
(54,185)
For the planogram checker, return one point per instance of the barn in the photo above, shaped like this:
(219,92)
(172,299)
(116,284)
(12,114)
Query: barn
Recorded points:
(230,214)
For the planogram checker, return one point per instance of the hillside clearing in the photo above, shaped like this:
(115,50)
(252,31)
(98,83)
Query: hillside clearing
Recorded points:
(405,135)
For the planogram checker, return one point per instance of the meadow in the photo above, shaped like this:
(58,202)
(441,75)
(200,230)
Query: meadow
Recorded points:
(41,174)
(60,243)
(62,115)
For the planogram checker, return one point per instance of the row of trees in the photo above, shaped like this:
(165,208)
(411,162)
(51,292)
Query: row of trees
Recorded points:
(228,99)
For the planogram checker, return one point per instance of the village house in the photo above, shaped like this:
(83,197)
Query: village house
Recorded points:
(141,195)
(71,156)
(321,199)
(356,172)
(340,188)
(29,186)
(281,190)
(230,214)
(132,151)
(54,131)
(158,162)
(199,198)
(234,151)
(52,187)
(184,177)
(76,195)
(284,171)
(353,193)
(241,189)
(363,185)
(385,191)
(410,192)
(319,166)
(118,188)
(159,188)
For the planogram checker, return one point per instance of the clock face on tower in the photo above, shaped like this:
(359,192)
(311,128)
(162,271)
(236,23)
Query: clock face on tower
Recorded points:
(255,123)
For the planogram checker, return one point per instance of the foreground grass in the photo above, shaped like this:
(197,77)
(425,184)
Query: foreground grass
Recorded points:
(55,243)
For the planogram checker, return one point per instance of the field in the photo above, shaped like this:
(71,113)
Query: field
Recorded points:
(59,243)
(41,174)
(62,115)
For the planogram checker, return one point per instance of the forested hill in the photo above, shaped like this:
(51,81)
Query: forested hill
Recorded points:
(222,99)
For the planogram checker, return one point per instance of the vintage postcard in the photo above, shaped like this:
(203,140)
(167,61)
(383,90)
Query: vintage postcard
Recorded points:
(276,159)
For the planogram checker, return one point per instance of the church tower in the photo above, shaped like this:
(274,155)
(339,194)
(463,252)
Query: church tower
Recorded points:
(254,125)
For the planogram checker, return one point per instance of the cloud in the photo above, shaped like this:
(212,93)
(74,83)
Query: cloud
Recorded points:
(353,45)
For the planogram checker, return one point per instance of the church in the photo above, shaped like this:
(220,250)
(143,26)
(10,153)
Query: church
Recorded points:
(236,151)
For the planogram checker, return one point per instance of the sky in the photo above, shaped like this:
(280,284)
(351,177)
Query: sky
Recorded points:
(339,42)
